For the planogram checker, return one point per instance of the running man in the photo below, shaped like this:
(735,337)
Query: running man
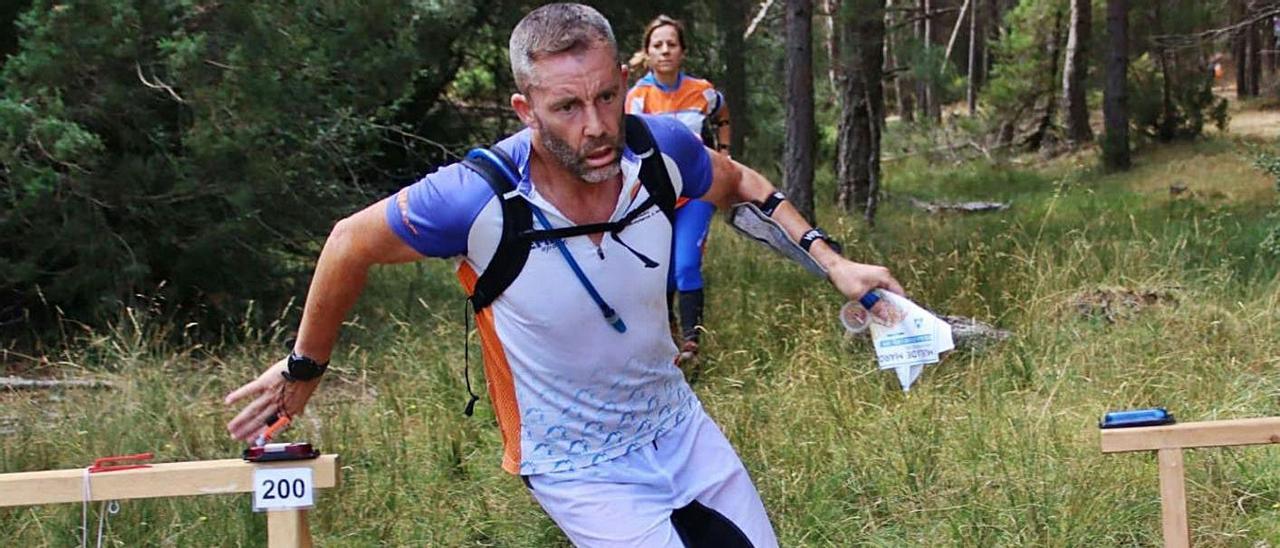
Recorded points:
(597,420)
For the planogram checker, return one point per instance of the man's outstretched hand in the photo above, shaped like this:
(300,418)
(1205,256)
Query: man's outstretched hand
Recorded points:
(854,280)
(272,396)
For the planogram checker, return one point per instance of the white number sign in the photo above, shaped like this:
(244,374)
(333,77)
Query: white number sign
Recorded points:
(282,488)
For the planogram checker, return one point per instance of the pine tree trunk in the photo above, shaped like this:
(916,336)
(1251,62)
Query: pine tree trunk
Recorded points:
(902,84)
(1052,50)
(871,64)
(1240,50)
(1255,59)
(798,154)
(993,34)
(1168,114)
(893,94)
(1270,42)
(971,94)
(852,138)
(1115,103)
(834,66)
(933,104)
(862,101)
(923,35)
(732,22)
(1075,73)
(848,182)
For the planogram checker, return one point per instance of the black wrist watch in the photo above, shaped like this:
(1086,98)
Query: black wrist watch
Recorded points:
(816,233)
(302,368)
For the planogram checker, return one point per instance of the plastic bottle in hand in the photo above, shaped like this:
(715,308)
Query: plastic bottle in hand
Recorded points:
(856,317)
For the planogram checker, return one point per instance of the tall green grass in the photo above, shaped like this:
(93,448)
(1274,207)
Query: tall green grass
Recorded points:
(997,447)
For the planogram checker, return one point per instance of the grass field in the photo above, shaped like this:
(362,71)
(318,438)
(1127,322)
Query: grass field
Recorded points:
(997,447)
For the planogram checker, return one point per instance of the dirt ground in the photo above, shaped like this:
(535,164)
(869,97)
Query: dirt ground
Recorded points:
(1256,123)
(1258,118)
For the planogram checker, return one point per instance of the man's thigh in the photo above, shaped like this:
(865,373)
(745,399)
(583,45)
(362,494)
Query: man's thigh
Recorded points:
(599,511)
(720,498)
(688,486)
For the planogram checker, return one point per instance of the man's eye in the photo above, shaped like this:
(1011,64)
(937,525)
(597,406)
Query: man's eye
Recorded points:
(567,107)
(608,97)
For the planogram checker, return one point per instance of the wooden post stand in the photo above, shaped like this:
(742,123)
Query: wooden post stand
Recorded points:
(286,528)
(1168,442)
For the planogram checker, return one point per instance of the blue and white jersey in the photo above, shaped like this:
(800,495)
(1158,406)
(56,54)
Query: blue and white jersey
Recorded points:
(569,390)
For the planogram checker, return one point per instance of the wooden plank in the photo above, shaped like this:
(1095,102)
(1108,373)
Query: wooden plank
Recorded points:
(1173,499)
(173,479)
(1192,434)
(288,529)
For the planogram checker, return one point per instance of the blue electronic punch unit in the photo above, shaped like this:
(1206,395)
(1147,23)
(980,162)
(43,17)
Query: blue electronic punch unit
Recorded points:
(1154,416)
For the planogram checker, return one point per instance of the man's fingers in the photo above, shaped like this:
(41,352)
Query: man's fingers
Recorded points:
(257,424)
(245,419)
(265,381)
(893,285)
(248,419)
(248,388)
(249,430)
(881,278)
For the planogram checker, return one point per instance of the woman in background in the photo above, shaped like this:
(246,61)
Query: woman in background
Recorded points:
(667,90)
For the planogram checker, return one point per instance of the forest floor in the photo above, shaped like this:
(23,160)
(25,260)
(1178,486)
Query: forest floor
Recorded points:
(1255,118)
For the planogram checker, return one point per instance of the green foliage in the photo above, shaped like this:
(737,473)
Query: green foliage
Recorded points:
(200,152)
(1022,75)
(930,65)
(1024,79)
(1192,102)
(1269,162)
(1171,88)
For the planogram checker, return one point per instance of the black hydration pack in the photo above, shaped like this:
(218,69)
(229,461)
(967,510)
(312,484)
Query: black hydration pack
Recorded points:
(497,168)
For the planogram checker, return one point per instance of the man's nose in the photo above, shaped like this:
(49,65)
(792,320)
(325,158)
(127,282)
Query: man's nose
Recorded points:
(595,123)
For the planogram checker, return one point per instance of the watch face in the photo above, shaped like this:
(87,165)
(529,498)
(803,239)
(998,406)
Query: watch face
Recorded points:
(303,368)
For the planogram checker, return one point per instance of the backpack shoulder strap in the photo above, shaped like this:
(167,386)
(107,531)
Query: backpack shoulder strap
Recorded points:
(653,170)
(502,175)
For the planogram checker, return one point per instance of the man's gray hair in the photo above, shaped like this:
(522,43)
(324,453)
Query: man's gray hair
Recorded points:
(552,29)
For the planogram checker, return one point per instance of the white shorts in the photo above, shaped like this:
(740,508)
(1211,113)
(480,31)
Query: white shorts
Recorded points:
(687,488)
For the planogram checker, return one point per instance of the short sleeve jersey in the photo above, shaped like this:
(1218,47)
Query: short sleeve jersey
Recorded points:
(569,391)
(691,100)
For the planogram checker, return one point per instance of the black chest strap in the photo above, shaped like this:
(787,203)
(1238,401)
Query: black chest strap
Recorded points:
(502,175)
(518,234)
(653,169)
(500,172)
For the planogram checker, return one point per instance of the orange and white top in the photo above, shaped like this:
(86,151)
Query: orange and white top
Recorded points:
(691,100)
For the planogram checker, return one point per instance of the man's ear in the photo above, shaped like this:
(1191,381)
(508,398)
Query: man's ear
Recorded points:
(626,73)
(524,109)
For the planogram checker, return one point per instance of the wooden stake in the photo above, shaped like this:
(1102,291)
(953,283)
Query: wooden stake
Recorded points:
(1168,441)
(288,529)
(1173,499)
